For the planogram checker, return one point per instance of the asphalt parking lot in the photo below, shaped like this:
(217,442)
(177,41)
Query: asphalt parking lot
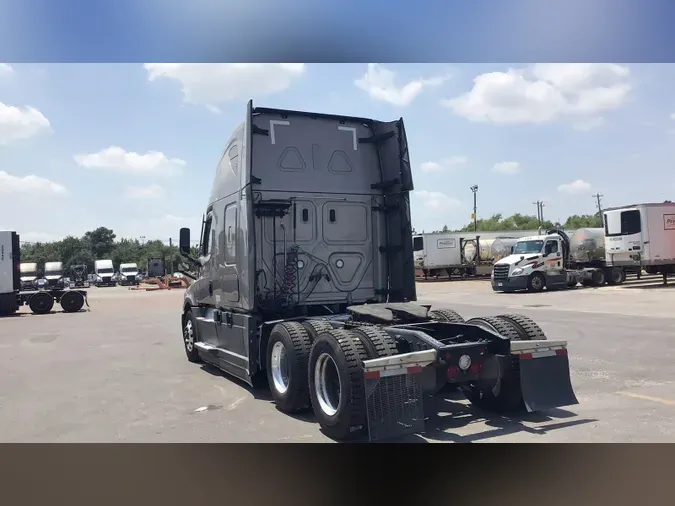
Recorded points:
(118,373)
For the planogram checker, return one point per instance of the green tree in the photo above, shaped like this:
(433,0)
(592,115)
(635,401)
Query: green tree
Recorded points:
(102,242)
(583,221)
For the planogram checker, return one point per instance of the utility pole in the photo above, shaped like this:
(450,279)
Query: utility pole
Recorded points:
(474,189)
(541,211)
(598,197)
(538,204)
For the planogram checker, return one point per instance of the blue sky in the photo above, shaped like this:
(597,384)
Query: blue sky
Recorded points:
(134,147)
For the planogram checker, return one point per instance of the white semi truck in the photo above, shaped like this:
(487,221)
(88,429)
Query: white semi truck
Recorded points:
(12,297)
(556,261)
(128,274)
(29,275)
(642,236)
(54,274)
(104,271)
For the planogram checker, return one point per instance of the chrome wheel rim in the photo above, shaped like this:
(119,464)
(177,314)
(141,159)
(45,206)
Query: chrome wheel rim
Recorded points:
(189,336)
(327,385)
(280,376)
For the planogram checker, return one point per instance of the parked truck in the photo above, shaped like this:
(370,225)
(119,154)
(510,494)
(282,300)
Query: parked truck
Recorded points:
(29,275)
(54,274)
(128,274)
(306,279)
(556,261)
(12,297)
(156,268)
(79,279)
(642,236)
(104,271)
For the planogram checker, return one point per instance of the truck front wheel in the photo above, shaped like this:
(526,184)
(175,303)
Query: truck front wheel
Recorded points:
(536,282)
(287,357)
(190,337)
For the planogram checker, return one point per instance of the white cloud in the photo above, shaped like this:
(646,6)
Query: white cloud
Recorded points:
(117,159)
(672,116)
(575,187)
(151,192)
(443,164)
(5,68)
(33,185)
(508,168)
(589,124)
(18,123)
(209,84)
(436,201)
(380,83)
(544,92)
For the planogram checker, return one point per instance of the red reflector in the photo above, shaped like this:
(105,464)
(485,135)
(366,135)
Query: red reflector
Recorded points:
(452,372)
(447,356)
(371,375)
(414,370)
(561,352)
(475,368)
(526,356)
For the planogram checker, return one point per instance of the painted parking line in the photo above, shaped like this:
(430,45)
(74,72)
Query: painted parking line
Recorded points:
(666,402)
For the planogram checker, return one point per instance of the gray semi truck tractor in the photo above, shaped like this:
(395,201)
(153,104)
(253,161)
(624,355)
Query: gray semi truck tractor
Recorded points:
(305,280)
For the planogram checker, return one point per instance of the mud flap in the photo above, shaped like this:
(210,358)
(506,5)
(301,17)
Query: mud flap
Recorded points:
(545,381)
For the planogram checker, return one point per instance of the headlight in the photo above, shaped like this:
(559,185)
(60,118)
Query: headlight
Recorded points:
(517,271)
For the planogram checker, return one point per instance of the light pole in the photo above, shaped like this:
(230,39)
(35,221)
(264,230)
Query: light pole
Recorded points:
(474,189)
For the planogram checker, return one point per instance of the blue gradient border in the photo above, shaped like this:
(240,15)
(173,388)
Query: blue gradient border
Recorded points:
(337,30)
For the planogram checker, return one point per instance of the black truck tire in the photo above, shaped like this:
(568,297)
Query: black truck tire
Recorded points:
(288,351)
(191,337)
(72,302)
(315,327)
(376,341)
(536,282)
(41,303)
(336,383)
(598,277)
(616,276)
(509,396)
(526,327)
(445,315)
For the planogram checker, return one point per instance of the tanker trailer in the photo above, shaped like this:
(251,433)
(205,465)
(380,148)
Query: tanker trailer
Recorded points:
(478,259)
(503,247)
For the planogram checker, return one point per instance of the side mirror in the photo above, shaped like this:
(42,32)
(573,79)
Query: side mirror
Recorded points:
(184,241)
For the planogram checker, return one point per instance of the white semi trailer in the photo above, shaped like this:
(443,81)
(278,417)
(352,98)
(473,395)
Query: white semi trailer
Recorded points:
(642,236)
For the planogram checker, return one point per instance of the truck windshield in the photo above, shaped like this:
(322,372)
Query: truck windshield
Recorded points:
(29,274)
(55,272)
(527,247)
(418,243)
(630,224)
(129,269)
(105,271)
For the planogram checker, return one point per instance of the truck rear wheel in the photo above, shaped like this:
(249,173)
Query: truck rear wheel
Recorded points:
(315,327)
(72,302)
(336,383)
(445,315)
(41,303)
(376,341)
(598,277)
(616,276)
(288,351)
(526,327)
(536,282)
(504,395)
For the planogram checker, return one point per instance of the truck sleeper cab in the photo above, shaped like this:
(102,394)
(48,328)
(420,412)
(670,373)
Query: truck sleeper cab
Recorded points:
(306,273)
